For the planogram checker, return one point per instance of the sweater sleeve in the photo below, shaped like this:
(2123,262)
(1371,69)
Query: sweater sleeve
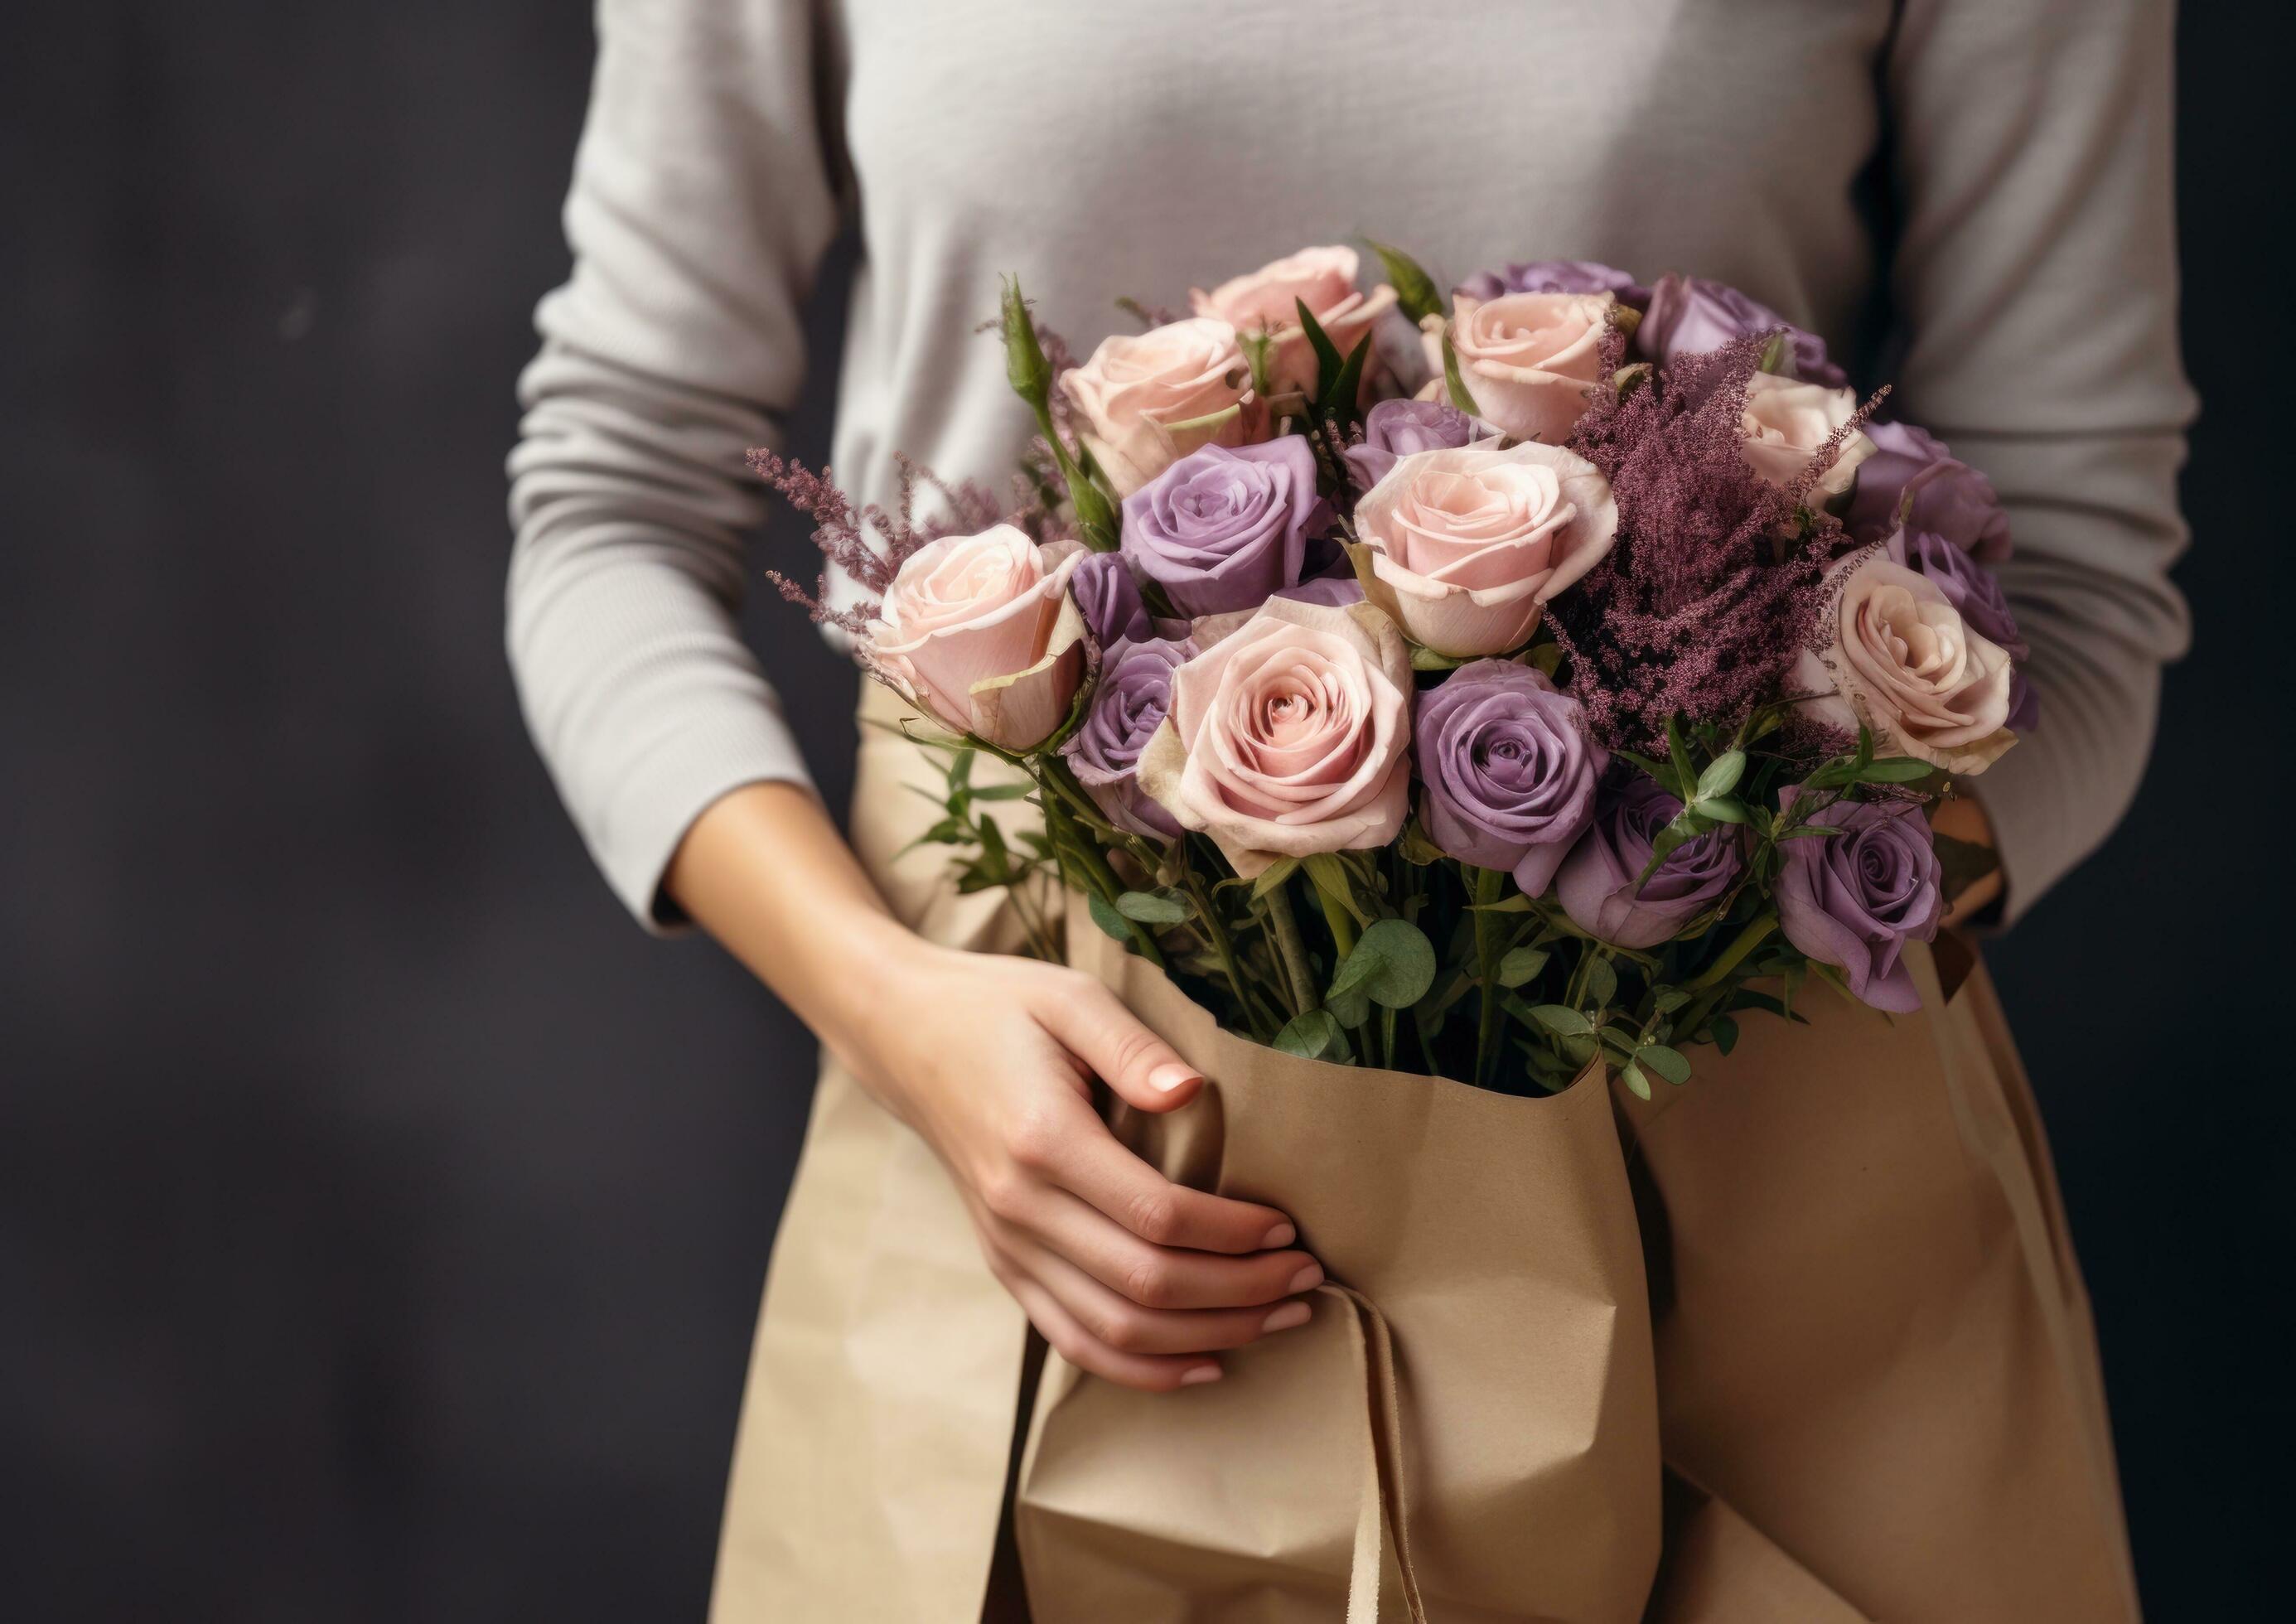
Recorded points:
(700,206)
(2036,282)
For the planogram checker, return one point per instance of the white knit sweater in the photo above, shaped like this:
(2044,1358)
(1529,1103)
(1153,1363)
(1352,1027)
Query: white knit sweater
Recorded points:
(2028,312)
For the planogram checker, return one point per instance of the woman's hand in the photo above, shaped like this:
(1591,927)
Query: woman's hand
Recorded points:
(988,1058)
(1130,1276)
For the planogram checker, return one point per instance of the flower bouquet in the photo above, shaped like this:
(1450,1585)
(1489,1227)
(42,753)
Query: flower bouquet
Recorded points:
(1508,688)
(1485,686)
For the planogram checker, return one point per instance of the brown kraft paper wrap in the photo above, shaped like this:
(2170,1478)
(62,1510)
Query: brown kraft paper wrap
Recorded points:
(1875,1360)
(1489,1243)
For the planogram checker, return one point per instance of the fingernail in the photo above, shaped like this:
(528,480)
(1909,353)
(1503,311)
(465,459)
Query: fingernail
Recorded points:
(1199,1375)
(1290,1315)
(1281,1235)
(1307,1280)
(1172,1075)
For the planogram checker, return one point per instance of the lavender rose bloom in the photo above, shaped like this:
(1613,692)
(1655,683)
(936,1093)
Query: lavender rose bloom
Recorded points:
(1912,468)
(1556,276)
(1854,899)
(1135,691)
(1396,429)
(1689,316)
(1596,882)
(1510,772)
(1225,529)
(1109,599)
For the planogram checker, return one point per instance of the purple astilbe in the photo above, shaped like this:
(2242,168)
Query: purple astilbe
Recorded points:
(1699,611)
(843,535)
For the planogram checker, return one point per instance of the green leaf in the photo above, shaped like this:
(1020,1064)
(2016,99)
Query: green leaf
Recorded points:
(1721,776)
(1726,1033)
(1153,908)
(1347,388)
(1601,980)
(1562,1021)
(1721,811)
(1631,1075)
(1416,849)
(1256,347)
(1895,769)
(1455,384)
(1025,366)
(1327,354)
(1427,659)
(1415,294)
(1273,876)
(1545,658)
(1349,1008)
(1522,965)
(1685,775)
(1104,915)
(1669,1063)
(1393,964)
(1666,1000)
(1330,876)
(1313,1036)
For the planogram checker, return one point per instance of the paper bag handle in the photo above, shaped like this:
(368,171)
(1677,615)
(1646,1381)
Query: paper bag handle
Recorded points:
(1381,1512)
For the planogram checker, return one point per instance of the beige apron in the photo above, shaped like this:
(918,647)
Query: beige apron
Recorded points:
(1876,1382)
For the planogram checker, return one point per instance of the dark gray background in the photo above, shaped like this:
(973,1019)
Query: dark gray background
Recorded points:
(382,1216)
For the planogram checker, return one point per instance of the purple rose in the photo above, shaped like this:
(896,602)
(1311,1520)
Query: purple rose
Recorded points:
(1556,276)
(1854,900)
(1334,591)
(1224,529)
(1912,469)
(1509,770)
(1135,691)
(1109,599)
(1689,316)
(1395,429)
(1596,882)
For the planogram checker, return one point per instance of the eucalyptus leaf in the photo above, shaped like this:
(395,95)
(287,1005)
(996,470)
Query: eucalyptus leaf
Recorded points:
(1522,965)
(1726,1033)
(1631,1075)
(1393,964)
(1669,1063)
(1313,1036)
(1111,922)
(1601,980)
(1562,1021)
(1153,908)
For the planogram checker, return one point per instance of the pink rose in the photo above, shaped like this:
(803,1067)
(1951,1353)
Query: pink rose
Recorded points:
(1786,424)
(980,631)
(1149,400)
(1463,546)
(1529,359)
(1290,736)
(1899,659)
(1267,301)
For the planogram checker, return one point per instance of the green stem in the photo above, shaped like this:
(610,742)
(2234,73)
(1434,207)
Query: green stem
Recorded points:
(1224,948)
(1291,951)
(1735,955)
(1060,826)
(1489,883)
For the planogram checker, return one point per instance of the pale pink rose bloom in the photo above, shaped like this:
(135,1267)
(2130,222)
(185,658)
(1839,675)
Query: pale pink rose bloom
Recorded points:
(1290,736)
(1786,424)
(1529,359)
(1465,547)
(980,632)
(1267,300)
(1149,399)
(1898,658)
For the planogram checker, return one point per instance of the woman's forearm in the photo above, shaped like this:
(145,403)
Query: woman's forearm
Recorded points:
(767,873)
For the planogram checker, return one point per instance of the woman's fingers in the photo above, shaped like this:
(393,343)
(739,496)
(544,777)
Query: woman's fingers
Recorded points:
(1099,1171)
(1164,1277)
(1092,1023)
(1124,1326)
(1149,1373)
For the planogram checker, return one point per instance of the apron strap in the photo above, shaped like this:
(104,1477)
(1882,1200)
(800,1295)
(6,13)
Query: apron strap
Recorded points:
(1380,1511)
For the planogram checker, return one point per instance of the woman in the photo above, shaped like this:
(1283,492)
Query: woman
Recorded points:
(1981,187)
